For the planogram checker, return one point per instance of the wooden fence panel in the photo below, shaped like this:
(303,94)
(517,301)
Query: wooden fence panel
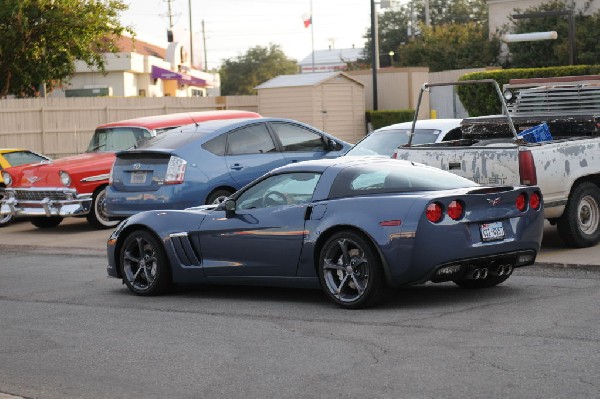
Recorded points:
(60,127)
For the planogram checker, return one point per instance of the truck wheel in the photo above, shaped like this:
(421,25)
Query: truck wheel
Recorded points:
(46,222)
(98,217)
(579,225)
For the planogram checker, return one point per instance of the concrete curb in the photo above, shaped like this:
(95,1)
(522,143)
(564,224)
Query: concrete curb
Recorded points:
(93,252)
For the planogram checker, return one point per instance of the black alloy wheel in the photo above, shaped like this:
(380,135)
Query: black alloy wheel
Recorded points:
(350,273)
(144,264)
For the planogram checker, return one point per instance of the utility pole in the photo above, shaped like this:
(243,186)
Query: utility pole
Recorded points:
(204,45)
(191,34)
(170,13)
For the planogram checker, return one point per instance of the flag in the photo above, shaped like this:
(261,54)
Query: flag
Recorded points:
(307,18)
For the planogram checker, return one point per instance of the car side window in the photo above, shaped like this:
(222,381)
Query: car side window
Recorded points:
(284,189)
(297,138)
(253,139)
(216,145)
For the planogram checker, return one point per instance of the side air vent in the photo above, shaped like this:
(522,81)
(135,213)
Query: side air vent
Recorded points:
(184,250)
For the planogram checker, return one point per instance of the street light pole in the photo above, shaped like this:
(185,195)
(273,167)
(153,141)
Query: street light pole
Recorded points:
(571,26)
(374,52)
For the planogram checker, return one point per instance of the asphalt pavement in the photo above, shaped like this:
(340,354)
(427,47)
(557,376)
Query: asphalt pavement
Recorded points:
(76,236)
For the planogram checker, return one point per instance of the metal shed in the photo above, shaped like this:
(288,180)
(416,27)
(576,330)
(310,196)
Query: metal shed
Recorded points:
(331,101)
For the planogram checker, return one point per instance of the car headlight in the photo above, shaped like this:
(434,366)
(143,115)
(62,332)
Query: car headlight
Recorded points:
(508,95)
(7,179)
(65,178)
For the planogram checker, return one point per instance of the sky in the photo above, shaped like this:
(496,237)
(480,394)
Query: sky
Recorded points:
(233,26)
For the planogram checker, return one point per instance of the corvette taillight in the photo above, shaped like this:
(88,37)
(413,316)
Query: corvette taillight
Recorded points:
(175,170)
(521,202)
(434,212)
(535,200)
(456,209)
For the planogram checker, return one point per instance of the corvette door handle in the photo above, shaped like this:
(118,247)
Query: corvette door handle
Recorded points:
(237,166)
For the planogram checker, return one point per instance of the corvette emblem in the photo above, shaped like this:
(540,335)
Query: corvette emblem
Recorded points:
(493,202)
(137,166)
(32,179)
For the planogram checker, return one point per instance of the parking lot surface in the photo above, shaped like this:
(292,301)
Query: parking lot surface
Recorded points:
(76,236)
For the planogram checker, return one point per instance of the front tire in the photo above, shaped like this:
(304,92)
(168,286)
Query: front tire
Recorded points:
(7,219)
(98,216)
(144,265)
(350,272)
(579,225)
(46,222)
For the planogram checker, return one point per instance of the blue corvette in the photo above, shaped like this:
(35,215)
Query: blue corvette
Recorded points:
(356,228)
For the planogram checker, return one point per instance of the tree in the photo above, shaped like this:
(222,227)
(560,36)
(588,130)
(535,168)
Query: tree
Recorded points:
(549,53)
(451,46)
(240,75)
(404,25)
(40,40)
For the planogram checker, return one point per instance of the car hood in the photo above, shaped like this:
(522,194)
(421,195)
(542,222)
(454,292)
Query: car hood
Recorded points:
(47,174)
(167,222)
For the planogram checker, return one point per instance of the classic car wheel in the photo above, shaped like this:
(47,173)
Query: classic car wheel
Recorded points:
(217,196)
(349,271)
(579,226)
(46,222)
(5,220)
(98,217)
(490,281)
(144,264)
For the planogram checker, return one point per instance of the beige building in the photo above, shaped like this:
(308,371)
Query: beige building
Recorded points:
(145,70)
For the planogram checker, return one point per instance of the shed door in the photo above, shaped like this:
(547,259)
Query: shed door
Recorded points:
(338,107)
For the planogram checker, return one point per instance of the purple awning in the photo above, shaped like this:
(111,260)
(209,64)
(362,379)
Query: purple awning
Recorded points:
(165,74)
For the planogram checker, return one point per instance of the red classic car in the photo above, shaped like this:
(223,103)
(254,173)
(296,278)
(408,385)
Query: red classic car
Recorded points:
(75,186)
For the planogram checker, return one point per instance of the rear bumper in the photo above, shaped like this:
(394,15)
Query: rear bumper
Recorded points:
(121,205)
(45,202)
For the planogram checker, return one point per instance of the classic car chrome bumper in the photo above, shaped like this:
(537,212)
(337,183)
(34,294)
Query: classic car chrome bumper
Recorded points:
(45,202)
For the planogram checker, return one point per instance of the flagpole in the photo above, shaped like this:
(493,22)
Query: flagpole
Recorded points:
(312,35)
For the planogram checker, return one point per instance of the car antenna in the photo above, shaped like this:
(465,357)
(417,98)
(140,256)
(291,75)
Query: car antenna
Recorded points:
(188,112)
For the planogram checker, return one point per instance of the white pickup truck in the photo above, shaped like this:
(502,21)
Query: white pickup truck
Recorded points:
(566,168)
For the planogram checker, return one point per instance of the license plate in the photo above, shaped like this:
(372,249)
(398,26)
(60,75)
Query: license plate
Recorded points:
(492,231)
(138,177)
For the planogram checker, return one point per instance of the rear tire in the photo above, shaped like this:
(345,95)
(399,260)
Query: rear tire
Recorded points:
(579,225)
(46,222)
(350,272)
(98,216)
(218,196)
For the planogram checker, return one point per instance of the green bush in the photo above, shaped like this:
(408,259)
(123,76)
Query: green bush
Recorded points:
(385,118)
(482,99)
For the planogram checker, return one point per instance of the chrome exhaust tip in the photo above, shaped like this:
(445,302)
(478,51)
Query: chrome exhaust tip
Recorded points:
(484,273)
(476,274)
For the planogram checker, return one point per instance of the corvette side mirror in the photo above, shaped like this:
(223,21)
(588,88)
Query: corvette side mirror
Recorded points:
(230,206)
